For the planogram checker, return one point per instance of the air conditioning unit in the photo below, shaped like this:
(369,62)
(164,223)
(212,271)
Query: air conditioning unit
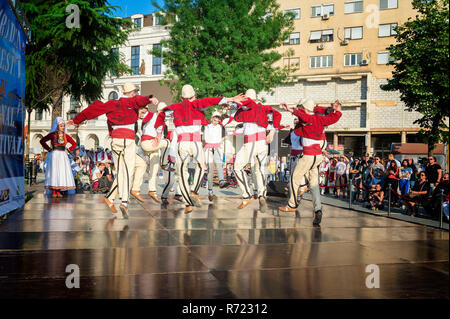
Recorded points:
(364,62)
(325,16)
(344,42)
(320,47)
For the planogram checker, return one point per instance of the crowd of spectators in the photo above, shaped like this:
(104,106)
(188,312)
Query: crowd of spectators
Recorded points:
(412,185)
(92,169)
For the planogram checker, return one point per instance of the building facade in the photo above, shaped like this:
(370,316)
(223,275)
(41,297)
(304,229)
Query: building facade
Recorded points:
(339,51)
(147,71)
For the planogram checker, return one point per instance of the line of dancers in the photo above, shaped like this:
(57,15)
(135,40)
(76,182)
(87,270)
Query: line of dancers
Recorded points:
(141,139)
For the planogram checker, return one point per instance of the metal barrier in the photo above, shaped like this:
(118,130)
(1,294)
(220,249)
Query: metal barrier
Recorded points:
(389,198)
(31,172)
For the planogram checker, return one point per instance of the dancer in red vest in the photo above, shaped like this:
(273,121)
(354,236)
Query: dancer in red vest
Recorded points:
(151,143)
(122,116)
(255,118)
(311,133)
(188,118)
(58,173)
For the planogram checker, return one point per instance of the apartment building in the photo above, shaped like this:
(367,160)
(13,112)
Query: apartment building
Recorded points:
(340,51)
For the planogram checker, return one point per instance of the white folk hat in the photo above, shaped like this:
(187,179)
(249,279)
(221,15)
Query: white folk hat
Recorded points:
(250,93)
(301,102)
(129,87)
(216,113)
(187,91)
(308,104)
(161,105)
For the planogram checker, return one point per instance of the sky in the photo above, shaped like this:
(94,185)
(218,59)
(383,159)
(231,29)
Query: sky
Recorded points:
(130,7)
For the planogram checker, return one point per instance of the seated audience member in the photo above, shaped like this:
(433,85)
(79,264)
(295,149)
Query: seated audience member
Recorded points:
(376,198)
(418,194)
(433,206)
(109,178)
(97,175)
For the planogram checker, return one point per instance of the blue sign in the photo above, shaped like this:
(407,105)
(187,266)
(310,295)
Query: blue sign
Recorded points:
(12,110)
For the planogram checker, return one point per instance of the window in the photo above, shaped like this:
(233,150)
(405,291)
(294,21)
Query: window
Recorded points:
(157,60)
(387,30)
(353,33)
(113,95)
(39,115)
(324,61)
(321,36)
(317,11)
(135,60)
(115,51)
(295,12)
(138,22)
(388,4)
(353,6)
(158,20)
(352,59)
(291,62)
(74,109)
(294,38)
(383,57)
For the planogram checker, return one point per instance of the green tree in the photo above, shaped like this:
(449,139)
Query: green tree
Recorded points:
(63,60)
(224,47)
(420,58)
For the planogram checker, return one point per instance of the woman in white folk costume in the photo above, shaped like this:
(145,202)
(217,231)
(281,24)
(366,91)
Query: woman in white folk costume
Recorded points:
(213,136)
(58,173)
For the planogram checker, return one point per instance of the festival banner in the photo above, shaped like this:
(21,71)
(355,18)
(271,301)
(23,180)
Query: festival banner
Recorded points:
(12,110)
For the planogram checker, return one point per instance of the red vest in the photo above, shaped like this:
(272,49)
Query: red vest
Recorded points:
(191,113)
(118,112)
(257,113)
(53,138)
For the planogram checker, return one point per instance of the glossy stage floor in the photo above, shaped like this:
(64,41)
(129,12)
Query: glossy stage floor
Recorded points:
(215,252)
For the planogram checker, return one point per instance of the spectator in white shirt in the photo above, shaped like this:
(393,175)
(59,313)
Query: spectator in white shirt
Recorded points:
(341,174)
(390,159)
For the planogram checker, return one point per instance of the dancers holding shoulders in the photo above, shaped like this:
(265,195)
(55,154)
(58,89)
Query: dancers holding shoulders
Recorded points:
(188,118)
(122,116)
(259,124)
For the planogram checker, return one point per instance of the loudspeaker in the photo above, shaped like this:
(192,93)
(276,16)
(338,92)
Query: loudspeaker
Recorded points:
(276,188)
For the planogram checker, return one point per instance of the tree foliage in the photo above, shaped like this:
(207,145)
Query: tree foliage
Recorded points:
(73,61)
(224,47)
(421,58)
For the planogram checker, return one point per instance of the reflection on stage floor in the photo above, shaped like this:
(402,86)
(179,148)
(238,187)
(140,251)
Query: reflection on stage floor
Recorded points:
(217,251)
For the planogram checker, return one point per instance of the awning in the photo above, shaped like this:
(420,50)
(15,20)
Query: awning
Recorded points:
(315,35)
